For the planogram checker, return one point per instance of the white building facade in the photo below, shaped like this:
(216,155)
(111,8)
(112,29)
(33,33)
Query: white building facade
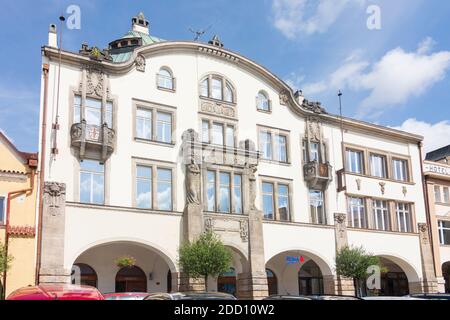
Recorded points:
(152,142)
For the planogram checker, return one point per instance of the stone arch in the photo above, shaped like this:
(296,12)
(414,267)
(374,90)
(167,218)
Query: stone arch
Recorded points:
(407,267)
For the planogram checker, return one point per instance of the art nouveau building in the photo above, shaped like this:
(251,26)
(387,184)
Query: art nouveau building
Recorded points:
(151,142)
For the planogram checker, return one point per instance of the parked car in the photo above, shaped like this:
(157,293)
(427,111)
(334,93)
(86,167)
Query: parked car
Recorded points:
(191,296)
(332,297)
(431,296)
(286,297)
(126,296)
(391,298)
(56,292)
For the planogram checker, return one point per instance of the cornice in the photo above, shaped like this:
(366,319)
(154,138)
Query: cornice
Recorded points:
(241,61)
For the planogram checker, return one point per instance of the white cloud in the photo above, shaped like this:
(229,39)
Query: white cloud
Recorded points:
(435,135)
(292,17)
(395,78)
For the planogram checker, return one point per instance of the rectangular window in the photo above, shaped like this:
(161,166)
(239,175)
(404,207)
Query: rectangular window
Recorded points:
(92,182)
(93,111)
(268,200)
(355,160)
(444,232)
(380,215)
(211,191)
(446,194)
(357,212)
(109,114)
(144,187)
(2,210)
(317,207)
(281,147)
(204,88)
(230,136)
(304,152)
(437,194)
(205,131)
(265,140)
(403,217)
(378,166)
(400,169)
(237,194)
(164,189)
(144,124)
(164,125)
(217,133)
(77,109)
(283,202)
(216,89)
(224,192)
(314,151)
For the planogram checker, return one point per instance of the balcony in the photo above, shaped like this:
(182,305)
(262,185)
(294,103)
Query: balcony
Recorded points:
(96,142)
(317,175)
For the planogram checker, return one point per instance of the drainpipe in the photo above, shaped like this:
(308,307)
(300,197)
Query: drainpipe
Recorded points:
(427,207)
(8,213)
(45,70)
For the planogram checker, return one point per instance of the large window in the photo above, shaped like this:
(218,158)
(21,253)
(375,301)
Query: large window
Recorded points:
(400,169)
(403,212)
(218,133)
(165,79)
(154,125)
(2,210)
(317,207)
(273,146)
(275,197)
(445,191)
(218,88)
(92,112)
(262,102)
(223,192)
(378,166)
(381,215)
(444,232)
(77,109)
(92,182)
(357,213)
(437,194)
(355,161)
(153,187)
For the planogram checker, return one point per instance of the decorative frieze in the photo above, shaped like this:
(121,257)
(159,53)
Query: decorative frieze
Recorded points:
(227,224)
(216,108)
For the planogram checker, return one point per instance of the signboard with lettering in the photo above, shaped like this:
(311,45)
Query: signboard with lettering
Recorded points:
(434,168)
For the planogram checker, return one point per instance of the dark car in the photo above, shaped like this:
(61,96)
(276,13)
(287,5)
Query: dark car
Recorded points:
(191,296)
(126,296)
(56,292)
(432,296)
(333,297)
(286,297)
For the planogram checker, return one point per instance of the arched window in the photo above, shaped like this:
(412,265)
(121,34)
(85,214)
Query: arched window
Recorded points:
(88,276)
(217,87)
(131,279)
(262,101)
(310,280)
(165,79)
(272,282)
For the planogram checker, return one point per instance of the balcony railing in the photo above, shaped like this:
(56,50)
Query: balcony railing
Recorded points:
(317,175)
(98,141)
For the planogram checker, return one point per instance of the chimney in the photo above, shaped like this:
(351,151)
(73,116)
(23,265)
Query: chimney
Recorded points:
(52,36)
(140,24)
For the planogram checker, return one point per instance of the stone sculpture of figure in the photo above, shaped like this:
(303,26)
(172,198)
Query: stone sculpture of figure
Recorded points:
(193,184)
(251,170)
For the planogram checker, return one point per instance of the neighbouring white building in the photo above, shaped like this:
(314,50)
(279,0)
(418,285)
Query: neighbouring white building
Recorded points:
(150,142)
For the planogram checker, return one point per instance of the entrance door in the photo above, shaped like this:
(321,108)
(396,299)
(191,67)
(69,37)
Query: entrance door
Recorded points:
(310,280)
(394,284)
(131,279)
(226,282)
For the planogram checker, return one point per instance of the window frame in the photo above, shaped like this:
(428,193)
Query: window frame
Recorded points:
(361,162)
(92,173)
(407,170)
(410,227)
(441,230)
(83,105)
(3,209)
(313,216)
(274,133)
(350,217)
(154,109)
(172,78)
(276,182)
(155,166)
(225,82)
(269,102)
(384,165)
(225,126)
(385,214)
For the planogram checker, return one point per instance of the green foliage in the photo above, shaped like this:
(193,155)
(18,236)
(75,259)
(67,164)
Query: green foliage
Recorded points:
(207,256)
(352,262)
(5,262)
(125,261)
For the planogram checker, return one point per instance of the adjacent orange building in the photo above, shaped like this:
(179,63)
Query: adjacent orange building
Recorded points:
(18,195)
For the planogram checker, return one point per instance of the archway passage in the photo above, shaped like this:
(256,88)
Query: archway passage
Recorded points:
(153,273)
(394,281)
(226,282)
(88,276)
(446,275)
(131,279)
(310,279)
(272,282)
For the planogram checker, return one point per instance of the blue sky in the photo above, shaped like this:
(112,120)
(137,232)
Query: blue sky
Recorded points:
(397,76)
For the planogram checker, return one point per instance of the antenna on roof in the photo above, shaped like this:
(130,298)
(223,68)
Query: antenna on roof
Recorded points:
(199,33)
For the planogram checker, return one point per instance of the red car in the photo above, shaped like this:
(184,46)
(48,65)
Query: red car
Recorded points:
(126,296)
(56,292)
